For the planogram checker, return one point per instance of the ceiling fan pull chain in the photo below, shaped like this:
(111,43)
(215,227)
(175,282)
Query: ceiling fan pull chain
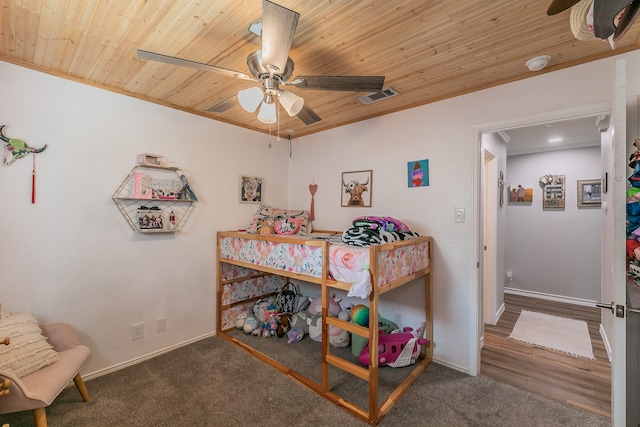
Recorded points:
(278,118)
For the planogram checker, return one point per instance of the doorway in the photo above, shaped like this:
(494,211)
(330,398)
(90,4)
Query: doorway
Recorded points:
(492,278)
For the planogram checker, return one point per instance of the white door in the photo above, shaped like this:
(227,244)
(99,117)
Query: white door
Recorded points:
(614,173)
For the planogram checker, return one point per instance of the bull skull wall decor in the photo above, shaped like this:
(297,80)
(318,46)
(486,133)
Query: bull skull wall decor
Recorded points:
(16,148)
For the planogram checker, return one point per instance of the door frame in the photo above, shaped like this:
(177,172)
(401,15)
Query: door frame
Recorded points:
(476,327)
(490,236)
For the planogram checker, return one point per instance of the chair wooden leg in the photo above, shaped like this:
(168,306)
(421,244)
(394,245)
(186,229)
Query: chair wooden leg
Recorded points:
(81,388)
(40,417)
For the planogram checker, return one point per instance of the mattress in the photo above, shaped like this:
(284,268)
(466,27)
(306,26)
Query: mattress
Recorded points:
(348,264)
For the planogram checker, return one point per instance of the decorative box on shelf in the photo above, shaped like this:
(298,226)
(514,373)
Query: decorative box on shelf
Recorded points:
(155,199)
(147,159)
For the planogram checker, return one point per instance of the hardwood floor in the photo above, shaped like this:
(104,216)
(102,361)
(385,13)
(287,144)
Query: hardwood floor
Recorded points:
(576,381)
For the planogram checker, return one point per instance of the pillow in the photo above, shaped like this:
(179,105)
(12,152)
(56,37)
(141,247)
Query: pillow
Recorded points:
(29,350)
(287,226)
(266,213)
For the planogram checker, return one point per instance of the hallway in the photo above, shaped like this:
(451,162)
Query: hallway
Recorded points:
(576,381)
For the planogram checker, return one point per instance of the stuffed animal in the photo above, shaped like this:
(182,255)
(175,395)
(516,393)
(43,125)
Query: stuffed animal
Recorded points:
(260,308)
(240,321)
(271,326)
(315,306)
(345,314)
(300,320)
(257,331)
(248,323)
(285,324)
(339,337)
(315,327)
(295,335)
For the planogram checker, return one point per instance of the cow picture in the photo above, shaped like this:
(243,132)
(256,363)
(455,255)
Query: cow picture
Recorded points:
(356,189)
(250,189)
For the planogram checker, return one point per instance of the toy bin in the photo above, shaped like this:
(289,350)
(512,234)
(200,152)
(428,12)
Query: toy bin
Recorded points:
(358,343)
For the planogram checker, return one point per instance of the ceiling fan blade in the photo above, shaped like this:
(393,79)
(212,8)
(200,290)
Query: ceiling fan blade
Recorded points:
(223,106)
(143,54)
(278,29)
(308,116)
(341,83)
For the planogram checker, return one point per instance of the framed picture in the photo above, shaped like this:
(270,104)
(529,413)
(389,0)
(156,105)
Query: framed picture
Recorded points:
(519,195)
(150,219)
(250,189)
(589,192)
(418,173)
(356,189)
(553,191)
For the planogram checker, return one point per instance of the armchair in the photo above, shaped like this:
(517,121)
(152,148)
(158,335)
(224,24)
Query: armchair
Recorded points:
(38,389)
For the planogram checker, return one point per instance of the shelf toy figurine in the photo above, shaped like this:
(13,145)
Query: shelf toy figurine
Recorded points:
(397,349)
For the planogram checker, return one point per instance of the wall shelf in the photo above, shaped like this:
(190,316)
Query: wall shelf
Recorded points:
(150,196)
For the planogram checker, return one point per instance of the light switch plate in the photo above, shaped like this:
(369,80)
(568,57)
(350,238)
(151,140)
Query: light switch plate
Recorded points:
(459,215)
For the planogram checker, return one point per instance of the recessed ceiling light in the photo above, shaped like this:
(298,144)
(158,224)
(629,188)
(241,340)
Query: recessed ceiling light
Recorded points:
(554,140)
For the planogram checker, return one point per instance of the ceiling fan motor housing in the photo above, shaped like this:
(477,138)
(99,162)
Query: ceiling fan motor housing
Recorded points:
(270,85)
(259,71)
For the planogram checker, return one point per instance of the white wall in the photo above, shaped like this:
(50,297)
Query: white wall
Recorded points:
(444,133)
(554,251)
(70,257)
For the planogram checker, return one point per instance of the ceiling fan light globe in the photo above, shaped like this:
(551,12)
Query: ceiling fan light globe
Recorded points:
(291,102)
(249,99)
(267,113)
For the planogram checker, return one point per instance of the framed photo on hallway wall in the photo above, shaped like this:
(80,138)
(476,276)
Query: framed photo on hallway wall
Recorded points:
(553,194)
(589,193)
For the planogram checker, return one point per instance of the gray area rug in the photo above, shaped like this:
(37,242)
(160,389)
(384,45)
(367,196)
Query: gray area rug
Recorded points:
(214,383)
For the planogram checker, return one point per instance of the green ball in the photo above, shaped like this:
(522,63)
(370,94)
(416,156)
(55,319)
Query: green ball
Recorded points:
(360,315)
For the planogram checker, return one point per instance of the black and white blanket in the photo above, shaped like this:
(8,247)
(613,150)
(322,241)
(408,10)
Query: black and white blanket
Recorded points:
(367,231)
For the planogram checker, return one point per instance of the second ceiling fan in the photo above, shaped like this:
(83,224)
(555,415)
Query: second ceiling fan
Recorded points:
(273,68)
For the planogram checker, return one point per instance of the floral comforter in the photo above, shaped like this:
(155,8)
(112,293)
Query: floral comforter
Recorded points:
(348,264)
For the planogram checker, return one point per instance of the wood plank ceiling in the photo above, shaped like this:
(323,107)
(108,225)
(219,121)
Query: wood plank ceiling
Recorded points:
(427,50)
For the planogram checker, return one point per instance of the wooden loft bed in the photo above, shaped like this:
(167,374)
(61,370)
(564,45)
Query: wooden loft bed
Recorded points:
(249,268)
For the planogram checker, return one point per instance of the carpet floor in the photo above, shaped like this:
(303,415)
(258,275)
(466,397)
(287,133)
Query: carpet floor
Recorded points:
(214,383)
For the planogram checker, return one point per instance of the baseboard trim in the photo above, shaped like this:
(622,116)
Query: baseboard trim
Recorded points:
(606,343)
(500,311)
(550,297)
(451,365)
(142,358)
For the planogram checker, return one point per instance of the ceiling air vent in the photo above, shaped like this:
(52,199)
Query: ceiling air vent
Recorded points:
(378,96)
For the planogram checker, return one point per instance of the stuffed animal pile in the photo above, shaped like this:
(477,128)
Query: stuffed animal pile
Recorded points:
(264,320)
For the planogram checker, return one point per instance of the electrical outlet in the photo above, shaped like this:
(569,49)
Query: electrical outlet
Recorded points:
(137,331)
(397,318)
(161,325)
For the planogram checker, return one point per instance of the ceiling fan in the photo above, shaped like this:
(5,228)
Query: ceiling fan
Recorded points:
(272,67)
